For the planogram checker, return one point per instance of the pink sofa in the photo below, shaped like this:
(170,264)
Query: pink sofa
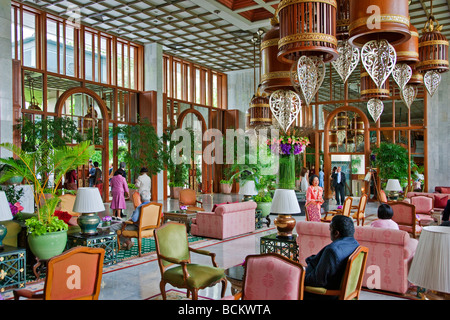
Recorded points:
(438,199)
(226,221)
(390,252)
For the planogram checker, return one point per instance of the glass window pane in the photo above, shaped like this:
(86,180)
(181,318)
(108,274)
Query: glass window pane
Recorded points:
(88,56)
(51,46)
(132,68)
(32,92)
(29,39)
(119,64)
(61,48)
(70,57)
(96,57)
(125,67)
(197,86)
(13,33)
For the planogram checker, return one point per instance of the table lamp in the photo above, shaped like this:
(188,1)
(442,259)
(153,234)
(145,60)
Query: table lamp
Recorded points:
(393,186)
(5,214)
(285,204)
(430,268)
(88,202)
(248,190)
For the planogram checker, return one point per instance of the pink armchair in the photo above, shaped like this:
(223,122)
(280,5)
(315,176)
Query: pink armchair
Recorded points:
(424,208)
(271,276)
(405,216)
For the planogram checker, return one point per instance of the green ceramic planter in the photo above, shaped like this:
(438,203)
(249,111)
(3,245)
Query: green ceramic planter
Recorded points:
(264,207)
(48,245)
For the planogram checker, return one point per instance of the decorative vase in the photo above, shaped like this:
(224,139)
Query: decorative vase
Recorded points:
(285,224)
(226,188)
(264,207)
(48,245)
(88,223)
(3,231)
(286,172)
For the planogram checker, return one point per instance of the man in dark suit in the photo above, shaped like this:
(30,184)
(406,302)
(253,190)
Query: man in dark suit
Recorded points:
(326,268)
(339,185)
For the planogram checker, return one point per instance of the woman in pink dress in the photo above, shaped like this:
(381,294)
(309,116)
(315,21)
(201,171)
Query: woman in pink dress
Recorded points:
(385,214)
(119,187)
(314,198)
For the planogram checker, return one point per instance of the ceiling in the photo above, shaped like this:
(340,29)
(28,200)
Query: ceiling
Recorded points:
(214,33)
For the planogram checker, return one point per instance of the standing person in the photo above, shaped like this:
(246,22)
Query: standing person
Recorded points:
(119,189)
(314,195)
(98,180)
(304,180)
(332,182)
(339,186)
(71,180)
(326,268)
(121,170)
(321,176)
(91,174)
(143,182)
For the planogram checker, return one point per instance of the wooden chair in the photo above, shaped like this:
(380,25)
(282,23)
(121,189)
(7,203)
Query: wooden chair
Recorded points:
(66,204)
(359,214)
(352,280)
(188,197)
(149,220)
(136,198)
(346,209)
(406,218)
(172,247)
(287,278)
(75,274)
(382,197)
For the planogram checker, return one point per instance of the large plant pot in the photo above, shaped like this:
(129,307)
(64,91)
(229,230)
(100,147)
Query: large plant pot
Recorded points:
(226,188)
(264,207)
(48,245)
(176,192)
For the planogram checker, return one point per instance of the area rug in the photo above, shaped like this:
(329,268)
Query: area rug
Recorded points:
(173,294)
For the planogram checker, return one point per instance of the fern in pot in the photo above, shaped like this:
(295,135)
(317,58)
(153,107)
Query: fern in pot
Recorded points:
(47,234)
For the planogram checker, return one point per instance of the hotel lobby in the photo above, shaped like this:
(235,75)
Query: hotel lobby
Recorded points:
(253,124)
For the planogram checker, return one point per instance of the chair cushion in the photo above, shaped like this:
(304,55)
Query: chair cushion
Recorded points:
(194,209)
(200,276)
(134,233)
(440,202)
(216,205)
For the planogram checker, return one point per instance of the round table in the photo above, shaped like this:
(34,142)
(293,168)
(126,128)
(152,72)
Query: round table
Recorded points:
(235,275)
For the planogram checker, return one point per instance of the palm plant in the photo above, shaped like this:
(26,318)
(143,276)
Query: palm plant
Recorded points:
(37,168)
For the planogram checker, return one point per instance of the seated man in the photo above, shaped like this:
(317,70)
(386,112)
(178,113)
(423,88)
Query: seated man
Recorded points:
(327,268)
(126,243)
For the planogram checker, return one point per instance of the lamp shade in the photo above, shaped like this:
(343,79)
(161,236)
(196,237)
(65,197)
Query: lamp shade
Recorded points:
(393,185)
(5,211)
(248,189)
(88,200)
(285,202)
(430,268)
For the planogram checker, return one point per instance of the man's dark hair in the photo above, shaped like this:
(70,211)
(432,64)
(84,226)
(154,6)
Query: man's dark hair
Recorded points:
(96,164)
(344,225)
(385,211)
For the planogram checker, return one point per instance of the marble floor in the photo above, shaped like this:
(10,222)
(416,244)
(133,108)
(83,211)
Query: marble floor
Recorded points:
(142,281)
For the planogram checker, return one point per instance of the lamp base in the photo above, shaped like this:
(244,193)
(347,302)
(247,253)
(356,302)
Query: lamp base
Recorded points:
(393,195)
(285,224)
(247,198)
(3,232)
(88,223)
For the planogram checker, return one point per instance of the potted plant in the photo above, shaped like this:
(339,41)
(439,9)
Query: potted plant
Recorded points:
(226,186)
(391,161)
(180,177)
(263,202)
(47,234)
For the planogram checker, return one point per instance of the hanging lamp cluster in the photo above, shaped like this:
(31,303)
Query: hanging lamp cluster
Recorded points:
(306,34)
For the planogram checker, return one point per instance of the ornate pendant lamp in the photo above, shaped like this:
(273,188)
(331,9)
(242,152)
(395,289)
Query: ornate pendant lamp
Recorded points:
(260,114)
(285,106)
(307,28)
(433,54)
(381,19)
(307,76)
(369,89)
(343,19)
(275,75)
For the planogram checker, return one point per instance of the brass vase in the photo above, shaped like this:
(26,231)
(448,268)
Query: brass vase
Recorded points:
(285,224)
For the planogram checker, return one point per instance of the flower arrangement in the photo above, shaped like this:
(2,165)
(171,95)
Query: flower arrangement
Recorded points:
(288,145)
(183,208)
(16,208)
(106,220)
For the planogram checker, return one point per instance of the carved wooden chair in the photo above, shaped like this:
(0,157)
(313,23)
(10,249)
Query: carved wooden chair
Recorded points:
(287,278)
(352,280)
(172,248)
(188,197)
(75,274)
(359,214)
(149,220)
(406,218)
(346,209)
(136,198)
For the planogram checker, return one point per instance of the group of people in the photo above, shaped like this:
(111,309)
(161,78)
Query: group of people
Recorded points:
(306,178)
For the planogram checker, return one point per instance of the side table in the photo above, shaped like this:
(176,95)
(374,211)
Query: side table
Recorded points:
(182,217)
(285,246)
(107,241)
(12,268)
(235,275)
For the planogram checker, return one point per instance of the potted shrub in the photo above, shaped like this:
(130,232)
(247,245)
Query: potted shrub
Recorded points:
(226,186)
(263,203)
(391,161)
(47,234)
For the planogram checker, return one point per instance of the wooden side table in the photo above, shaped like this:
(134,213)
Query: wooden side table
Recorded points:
(235,275)
(13,272)
(183,217)
(285,246)
(107,241)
